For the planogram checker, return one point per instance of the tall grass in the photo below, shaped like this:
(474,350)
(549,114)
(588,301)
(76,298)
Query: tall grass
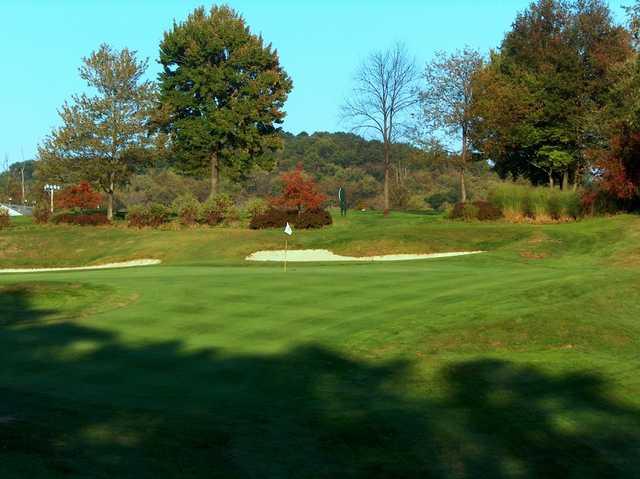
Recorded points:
(525,203)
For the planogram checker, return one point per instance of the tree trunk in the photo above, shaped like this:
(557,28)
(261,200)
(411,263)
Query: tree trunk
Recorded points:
(551,180)
(110,198)
(110,205)
(215,175)
(22,182)
(386,176)
(565,180)
(463,188)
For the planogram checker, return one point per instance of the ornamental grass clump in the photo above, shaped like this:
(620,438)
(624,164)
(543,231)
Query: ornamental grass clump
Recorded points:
(538,204)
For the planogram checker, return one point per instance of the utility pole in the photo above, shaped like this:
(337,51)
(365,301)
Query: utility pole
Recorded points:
(22,175)
(5,168)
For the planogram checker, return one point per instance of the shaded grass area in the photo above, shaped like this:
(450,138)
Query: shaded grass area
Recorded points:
(500,365)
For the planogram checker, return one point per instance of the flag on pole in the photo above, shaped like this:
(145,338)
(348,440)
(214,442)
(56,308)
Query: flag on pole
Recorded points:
(288,230)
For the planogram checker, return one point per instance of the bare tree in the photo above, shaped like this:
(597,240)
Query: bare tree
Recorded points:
(447,99)
(385,91)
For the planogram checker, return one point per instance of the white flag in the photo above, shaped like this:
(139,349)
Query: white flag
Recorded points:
(288,230)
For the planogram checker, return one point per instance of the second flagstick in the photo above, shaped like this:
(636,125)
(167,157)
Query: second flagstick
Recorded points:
(287,231)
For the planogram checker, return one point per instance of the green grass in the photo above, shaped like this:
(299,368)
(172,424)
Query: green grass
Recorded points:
(521,362)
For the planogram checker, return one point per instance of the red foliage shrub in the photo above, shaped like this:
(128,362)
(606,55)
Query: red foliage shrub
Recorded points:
(80,196)
(316,218)
(272,218)
(298,192)
(276,218)
(90,219)
(620,166)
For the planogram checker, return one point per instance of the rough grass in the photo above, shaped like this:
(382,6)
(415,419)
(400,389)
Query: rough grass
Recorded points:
(497,365)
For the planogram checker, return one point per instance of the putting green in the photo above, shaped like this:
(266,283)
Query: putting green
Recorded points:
(520,362)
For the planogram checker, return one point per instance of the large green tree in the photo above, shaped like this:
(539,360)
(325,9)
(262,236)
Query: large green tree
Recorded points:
(538,100)
(222,94)
(103,138)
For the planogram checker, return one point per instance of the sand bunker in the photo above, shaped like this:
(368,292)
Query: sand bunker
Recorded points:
(312,255)
(125,264)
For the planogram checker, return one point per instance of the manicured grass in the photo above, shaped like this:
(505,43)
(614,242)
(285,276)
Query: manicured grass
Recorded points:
(521,362)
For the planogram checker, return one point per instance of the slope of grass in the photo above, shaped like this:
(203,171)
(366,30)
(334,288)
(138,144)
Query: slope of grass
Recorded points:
(521,362)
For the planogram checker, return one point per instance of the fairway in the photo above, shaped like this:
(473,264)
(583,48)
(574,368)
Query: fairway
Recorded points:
(520,362)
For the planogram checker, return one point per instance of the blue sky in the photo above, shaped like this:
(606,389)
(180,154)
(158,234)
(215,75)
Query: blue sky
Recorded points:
(320,44)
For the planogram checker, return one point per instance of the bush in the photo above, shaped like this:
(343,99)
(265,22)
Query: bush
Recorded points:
(416,203)
(316,218)
(5,219)
(187,208)
(82,219)
(486,211)
(255,206)
(42,213)
(272,218)
(278,218)
(152,215)
(80,196)
(218,209)
(478,210)
(439,201)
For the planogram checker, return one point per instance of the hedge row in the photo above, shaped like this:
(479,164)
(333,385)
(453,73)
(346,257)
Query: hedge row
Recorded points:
(277,218)
(81,219)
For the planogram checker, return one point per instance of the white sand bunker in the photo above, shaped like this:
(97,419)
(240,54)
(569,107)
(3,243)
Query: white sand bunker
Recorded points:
(125,264)
(312,255)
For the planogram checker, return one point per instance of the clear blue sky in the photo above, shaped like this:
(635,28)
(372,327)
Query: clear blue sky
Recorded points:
(320,43)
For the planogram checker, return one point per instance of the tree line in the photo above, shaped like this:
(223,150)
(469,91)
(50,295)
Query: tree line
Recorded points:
(556,102)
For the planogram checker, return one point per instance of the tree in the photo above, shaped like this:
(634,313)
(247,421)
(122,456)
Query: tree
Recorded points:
(298,192)
(447,99)
(385,92)
(104,137)
(552,78)
(222,94)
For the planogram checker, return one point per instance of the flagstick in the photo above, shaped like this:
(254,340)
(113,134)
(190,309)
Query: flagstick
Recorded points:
(285,254)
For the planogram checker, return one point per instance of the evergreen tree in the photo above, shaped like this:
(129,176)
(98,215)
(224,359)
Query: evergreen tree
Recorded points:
(222,94)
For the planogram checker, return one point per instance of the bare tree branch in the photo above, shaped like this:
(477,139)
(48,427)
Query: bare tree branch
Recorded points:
(384,93)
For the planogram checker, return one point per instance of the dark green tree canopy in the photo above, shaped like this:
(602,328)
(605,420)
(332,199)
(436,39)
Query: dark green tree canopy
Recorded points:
(554,71)
(222,93)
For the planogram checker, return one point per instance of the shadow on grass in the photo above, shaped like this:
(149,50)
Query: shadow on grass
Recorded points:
(158,410)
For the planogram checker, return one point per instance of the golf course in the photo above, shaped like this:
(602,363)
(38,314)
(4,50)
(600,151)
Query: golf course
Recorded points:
(518,362)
